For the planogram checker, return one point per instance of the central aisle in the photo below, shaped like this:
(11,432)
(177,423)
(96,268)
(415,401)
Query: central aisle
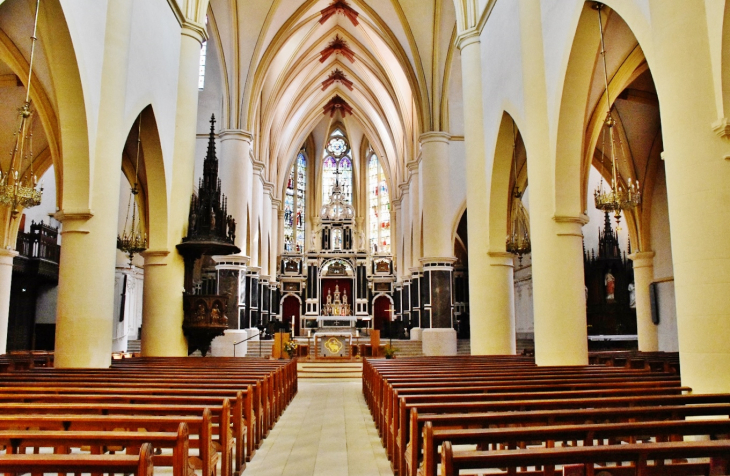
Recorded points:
(326,430)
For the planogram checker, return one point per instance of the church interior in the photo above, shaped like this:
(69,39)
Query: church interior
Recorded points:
(448,198)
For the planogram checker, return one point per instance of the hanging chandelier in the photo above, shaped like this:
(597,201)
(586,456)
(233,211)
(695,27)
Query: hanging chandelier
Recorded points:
(18,188)
(617,198)
(518,240)
(132,240)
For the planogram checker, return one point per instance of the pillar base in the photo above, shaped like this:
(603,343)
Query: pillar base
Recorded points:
(439,342)
(222,346)
(416,333)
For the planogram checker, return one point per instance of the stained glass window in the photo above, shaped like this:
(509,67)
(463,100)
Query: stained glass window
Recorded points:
(337,153)
(295,206)
(378,207)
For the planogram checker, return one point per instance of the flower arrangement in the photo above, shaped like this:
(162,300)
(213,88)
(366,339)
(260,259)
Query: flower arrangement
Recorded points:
(291,348)
(389,351)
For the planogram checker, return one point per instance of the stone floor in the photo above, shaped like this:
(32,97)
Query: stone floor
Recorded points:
(326,430)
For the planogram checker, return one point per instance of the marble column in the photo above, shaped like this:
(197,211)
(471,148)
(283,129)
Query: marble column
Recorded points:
(257,207)
(415,200)
(265,259)
(6,276)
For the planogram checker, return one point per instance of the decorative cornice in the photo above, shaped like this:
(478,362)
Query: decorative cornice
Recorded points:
(276,203)
(6,256)
(642,259)
(268,188)
(67,216)
(501,258)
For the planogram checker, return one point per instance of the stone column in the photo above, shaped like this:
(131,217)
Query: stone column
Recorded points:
(482,318)
(415,201)
(437,303)
(257,206)
(280,241)
(500,282)
(406,227)
(162,308)
(236,177)
(698,173)
(86,270)
(643,277)
(6,276)
(275,234)
(265,260)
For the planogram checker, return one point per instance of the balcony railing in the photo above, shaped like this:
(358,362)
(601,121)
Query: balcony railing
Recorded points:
(40,243)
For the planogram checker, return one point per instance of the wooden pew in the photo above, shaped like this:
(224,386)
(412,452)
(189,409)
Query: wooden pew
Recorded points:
(204,443)
(437,422)
(397,433)
(639,454)
(139,465)
(16,442)
(548,436)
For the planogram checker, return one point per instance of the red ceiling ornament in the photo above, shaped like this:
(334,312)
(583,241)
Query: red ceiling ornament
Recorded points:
(339,6)
(336,75)
(337,103)
(338,46)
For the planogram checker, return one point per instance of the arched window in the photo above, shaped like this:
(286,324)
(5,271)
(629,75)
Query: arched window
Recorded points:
(295,206)
(337,155)
(378,207)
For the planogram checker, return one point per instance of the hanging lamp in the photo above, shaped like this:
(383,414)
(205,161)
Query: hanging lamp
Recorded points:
(18,188)
(132,240)
(617,198)
(518,240)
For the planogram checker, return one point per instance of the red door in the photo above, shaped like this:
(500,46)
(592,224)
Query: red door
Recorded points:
(291,311)
(381,314)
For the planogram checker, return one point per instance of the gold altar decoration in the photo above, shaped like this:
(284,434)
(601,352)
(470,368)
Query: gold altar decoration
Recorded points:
(336,307)
(333,345)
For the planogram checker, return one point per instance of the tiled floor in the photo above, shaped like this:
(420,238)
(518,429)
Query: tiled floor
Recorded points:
(326,430)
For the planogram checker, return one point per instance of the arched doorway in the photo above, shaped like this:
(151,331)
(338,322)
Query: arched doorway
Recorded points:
(291,310)
(382,314)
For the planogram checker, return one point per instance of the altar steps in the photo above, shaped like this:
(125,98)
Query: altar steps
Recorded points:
(329,370)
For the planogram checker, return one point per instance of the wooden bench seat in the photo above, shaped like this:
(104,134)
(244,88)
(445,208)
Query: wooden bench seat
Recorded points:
(17,441)
(205,434)
(452,462)
(419,436)
(139,465)
(549,436)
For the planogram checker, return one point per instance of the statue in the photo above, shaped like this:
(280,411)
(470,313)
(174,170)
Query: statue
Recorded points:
(231,228)
(215,313)
(610,282)
(212,219)
(362,240)
(632,296)
(200,313)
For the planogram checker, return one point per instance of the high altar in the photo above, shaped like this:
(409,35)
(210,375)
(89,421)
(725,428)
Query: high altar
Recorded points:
(337,286)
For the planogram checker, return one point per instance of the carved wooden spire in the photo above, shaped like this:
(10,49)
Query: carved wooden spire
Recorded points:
(339,6)
(336,75)
(337,103)
(338,46)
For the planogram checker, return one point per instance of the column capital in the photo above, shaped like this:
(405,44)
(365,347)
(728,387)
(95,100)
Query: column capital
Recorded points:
(396,203)
(412,166)
(468,37)
(268,188)
(74,220)
(501,258)
(194,30)
(7,255)
(571,225)
(642,259)
(275,203)
(258,167)
(155,257)
(235,134)
(434,136)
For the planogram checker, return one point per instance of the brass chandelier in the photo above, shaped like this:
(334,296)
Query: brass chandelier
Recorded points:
(518,240)
(18,189)
(617,198)
(133,240)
